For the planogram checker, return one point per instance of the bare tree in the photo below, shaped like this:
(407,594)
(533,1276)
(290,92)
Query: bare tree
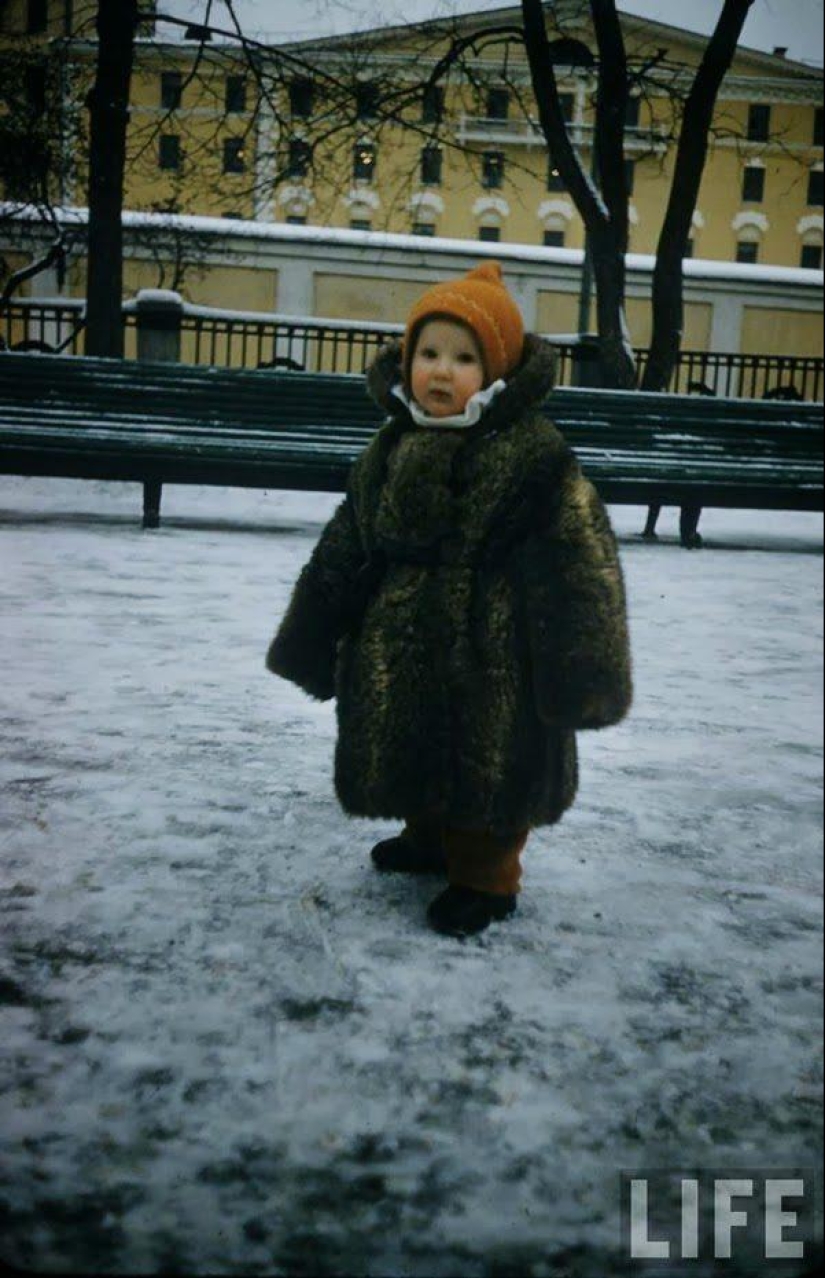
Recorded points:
(108,121)
(355,95)
(691,154)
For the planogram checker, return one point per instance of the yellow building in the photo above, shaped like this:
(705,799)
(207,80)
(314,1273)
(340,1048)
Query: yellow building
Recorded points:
(341,132)
(382,132)
(484,172)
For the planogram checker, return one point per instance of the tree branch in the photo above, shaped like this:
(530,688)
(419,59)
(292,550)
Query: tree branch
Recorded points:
(611,109)
(691,154)
(553,126)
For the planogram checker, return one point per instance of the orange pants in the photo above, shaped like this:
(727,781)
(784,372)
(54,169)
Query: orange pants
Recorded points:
(475,858)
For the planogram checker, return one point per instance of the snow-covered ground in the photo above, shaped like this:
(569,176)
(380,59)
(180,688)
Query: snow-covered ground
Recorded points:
(229,1046)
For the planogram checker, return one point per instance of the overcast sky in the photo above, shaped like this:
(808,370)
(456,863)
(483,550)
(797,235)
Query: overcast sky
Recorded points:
(795,23)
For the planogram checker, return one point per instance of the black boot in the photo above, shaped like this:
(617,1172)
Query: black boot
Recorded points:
(401,855)
(463,911)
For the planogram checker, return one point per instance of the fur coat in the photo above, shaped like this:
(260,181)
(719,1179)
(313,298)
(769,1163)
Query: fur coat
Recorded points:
(465,604)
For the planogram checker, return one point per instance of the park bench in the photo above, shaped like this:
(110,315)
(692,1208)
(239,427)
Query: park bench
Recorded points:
(158,423)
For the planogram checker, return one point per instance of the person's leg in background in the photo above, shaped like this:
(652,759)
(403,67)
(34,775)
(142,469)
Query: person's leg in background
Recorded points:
(688,525)
(649,530)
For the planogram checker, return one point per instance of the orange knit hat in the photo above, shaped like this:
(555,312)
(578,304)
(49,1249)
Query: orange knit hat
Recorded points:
(481,301)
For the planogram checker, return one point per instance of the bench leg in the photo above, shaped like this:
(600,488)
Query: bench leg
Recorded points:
(649,531)
(152,489)
(688,524)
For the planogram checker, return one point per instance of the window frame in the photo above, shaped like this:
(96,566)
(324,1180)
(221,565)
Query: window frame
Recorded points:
(431,165)
(171,90)
(299,158)
(497,103)
(359,151)
(170,163)
(367,99)
(432,104)
(492,170)
(814,193)
(753,173)
(747,252)
(301,97)
(806,250)
(234,164)
(759,121)
(235,84)
(489,234)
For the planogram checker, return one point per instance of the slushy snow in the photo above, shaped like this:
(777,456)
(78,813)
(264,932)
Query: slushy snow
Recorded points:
(230,1046)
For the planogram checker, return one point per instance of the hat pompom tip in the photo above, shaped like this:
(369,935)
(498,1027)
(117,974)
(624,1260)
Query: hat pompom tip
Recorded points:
(489,271)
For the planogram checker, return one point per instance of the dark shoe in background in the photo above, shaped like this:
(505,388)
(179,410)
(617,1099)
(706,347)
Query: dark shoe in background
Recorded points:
(401,855)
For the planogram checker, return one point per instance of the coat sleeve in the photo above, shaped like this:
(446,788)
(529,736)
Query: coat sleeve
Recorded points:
(304,648)
(576,610)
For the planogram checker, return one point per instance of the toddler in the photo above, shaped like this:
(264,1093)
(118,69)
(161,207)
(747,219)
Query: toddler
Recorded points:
(464,604)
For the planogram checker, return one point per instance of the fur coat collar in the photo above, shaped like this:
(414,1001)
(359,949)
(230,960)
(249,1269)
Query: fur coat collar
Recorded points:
(526,387)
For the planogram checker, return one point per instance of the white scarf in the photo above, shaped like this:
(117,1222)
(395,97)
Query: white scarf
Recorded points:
(473,409)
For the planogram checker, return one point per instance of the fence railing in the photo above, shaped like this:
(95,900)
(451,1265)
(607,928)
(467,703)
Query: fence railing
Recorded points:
(238,339)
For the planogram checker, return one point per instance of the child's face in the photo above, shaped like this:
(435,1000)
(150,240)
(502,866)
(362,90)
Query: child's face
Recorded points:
(446,368)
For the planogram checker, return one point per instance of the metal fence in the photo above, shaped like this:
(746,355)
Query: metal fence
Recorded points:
(246,340)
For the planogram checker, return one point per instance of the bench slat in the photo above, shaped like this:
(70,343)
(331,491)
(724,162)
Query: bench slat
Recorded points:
(159,423)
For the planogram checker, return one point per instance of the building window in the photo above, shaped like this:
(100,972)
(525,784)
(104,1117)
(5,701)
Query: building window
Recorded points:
(296,219)
(817,138)
(360,224)
(567,101)
(363,161)
(171,90)
(759,122)
(492,170)
(553,239)
(631,115)
(233,216)
(37,16)
(815,188)
(301,98)
(35,89)
(811,257)
(169,151)
(498,104)
(366,101)
(431,158)
(747,251)
(234,158)
(432,104)
(235,94)
(689,247)
(555,181)
(753,184)
(630,175)
(300,154)
(423,228)
(492,234)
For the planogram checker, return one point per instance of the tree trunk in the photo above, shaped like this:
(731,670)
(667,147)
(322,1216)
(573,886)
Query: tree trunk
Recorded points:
(604,212)
(668,282)
(618,369)
(109,117)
